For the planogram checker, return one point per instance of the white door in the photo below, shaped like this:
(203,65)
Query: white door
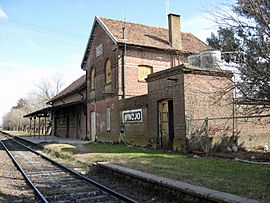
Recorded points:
(93,126)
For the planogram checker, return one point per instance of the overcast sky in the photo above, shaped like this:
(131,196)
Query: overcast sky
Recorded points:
(39,38)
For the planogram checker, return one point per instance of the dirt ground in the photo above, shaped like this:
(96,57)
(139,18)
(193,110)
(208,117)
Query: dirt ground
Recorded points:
(251,156)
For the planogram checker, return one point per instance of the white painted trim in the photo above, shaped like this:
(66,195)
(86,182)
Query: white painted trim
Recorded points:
(106,30)
(97,20)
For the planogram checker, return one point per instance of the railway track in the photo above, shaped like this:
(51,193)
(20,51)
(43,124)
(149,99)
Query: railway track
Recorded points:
(54,182)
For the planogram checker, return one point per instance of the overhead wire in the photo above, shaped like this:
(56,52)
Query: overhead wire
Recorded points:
(49,35)
(41,29)
(55,33)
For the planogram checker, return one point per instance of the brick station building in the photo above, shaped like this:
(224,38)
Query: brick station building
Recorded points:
(138,87)
(119,56)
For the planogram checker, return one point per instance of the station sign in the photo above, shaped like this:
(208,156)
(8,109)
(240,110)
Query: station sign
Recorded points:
(132,116)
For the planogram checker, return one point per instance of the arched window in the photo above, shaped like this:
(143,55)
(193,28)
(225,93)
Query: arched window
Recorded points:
(92,78)
(108,71)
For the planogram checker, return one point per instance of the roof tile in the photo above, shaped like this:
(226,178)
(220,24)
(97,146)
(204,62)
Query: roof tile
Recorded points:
(149,36)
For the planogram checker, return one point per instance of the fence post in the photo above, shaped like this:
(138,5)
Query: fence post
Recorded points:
(207,136)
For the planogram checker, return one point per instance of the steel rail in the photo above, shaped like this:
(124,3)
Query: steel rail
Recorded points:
(110,191)
(24,174)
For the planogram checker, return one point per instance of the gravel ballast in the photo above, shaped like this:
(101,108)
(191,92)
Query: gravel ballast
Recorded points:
(13,187)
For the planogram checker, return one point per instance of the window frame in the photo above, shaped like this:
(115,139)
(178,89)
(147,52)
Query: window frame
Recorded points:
(106,69)
(92,79)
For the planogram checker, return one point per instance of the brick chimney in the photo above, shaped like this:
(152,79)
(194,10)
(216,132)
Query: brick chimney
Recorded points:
(175,31)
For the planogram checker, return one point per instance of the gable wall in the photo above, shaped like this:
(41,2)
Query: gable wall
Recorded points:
(108,51)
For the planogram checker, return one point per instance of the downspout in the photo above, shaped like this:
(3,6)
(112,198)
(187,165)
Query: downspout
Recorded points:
(123,71)
(84,67)
(86,106)
(123,65)
(95,85)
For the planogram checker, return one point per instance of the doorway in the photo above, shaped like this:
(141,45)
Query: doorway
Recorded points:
(67,135)
(78,125)
(166,124)
(55,118)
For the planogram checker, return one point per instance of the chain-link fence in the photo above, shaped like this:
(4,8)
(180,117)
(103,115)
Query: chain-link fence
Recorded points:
(229,133)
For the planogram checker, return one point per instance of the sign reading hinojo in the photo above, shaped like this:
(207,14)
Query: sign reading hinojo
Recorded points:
(132,116)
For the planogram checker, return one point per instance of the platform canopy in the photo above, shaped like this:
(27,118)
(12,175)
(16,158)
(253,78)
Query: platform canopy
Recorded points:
(49,110)
(40,113)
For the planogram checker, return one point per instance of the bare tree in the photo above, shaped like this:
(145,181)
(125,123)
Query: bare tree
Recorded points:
(249,22)
(13,120)
(35,100)
(48,88)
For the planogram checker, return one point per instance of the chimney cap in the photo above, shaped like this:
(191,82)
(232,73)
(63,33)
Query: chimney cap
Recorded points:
(173,14)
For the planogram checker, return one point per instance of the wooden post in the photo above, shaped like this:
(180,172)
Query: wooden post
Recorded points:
(42,128)
(38,127)
(34,126)
(207,136)
(45,125)
(30,126)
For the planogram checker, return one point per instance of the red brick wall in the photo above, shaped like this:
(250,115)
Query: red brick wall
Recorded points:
(135,133)
(253,133)
(100,108)
(202,96)
(159,60)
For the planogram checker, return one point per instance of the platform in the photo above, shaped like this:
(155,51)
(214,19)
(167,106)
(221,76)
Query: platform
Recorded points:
(48,139)
(193,190)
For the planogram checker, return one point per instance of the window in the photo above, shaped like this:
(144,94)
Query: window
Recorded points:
(99,50)
(108,72)
(92,79)
(143,72)
(108,119)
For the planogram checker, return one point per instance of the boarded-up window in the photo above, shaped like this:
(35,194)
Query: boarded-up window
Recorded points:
(92,79)
(108,119)
(143,72)
(108,72)
(99,50)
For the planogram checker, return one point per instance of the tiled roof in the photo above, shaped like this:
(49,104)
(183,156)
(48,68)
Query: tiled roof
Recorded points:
(149,36)
(77,84)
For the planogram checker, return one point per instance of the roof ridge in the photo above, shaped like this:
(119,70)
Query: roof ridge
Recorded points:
(144,36)
(100,17)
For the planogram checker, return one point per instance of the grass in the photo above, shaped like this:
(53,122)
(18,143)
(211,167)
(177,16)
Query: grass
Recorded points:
(242,179)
